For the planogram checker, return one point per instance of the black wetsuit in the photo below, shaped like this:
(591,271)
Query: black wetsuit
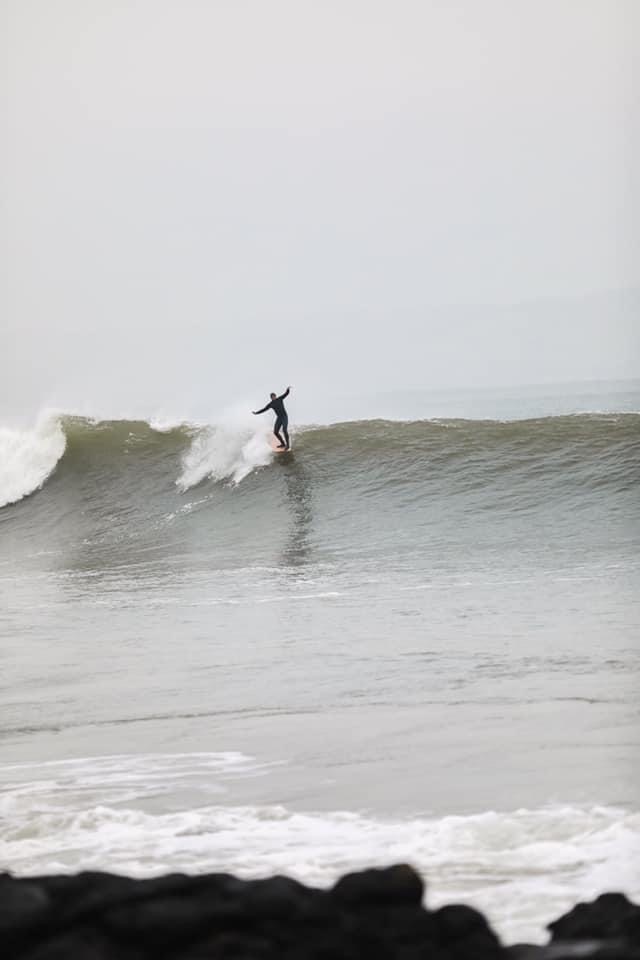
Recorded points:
(282,418)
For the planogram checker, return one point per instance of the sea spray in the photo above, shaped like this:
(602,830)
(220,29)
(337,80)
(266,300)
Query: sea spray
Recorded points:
(28,457)
(227,450)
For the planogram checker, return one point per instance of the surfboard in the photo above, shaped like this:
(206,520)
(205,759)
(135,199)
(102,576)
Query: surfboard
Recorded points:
(273,443)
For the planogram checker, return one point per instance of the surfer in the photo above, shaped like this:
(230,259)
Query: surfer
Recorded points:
(282,418)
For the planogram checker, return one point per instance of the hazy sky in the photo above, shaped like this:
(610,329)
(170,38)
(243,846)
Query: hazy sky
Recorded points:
(203,199)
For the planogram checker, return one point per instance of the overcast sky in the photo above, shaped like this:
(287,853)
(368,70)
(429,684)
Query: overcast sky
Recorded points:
(207,198)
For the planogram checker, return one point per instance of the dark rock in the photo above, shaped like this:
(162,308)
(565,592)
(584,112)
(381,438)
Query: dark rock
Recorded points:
(24,904)
(459,921)
(576,950)
(78,894)
(375,914)
(166,920)
(398,884)
(232,946)
(278,897)
(463,925)
(611,916)
(82,944)
(525,951)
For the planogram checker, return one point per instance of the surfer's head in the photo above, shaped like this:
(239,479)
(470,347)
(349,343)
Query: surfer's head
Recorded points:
(272,395)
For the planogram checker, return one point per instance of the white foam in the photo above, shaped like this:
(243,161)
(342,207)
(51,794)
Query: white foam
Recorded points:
(229,449)
(165,423)
(146,815)
(28,457)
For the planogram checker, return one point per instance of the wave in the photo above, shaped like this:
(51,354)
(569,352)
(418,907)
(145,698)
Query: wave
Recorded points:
(224,452)
(29,457)
(588,450)
(134,815)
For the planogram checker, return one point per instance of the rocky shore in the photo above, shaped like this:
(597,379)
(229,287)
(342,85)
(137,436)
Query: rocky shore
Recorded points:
(375,914)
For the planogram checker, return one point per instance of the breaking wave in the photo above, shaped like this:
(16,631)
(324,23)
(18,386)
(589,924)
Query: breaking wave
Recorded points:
(28,457)
(120,813)
(584,450)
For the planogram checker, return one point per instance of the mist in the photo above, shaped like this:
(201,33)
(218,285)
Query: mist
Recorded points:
(207,201)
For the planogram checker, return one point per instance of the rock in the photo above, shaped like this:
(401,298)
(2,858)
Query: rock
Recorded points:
(576,950)
(24,905)
(276,898)
(464,932)
(376,914)
(393,885)
(83,944)
(458,922)
(611,916)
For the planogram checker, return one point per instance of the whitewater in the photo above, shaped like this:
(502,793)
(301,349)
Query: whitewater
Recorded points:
(230,449)
(413,639)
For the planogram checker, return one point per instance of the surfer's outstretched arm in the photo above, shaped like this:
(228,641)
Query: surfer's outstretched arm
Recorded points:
(285,394)
(264,410)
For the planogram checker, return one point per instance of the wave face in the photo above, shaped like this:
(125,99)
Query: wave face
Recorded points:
(111,461)
(368,485)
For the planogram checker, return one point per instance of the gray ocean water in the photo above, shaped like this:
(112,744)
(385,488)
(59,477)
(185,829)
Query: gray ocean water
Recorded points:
(414,638)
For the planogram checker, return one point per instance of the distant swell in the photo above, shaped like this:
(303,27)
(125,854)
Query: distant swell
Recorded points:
(107,458)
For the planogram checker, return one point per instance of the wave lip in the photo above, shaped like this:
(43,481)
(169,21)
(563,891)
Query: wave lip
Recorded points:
(29,457)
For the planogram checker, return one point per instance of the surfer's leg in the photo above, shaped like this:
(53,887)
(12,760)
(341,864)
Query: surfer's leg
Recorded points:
(285,430)
(276,430)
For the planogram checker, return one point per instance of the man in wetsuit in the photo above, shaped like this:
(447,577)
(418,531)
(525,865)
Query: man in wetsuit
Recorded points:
(282,419)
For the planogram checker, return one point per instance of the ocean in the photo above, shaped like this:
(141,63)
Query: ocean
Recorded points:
(415,638)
